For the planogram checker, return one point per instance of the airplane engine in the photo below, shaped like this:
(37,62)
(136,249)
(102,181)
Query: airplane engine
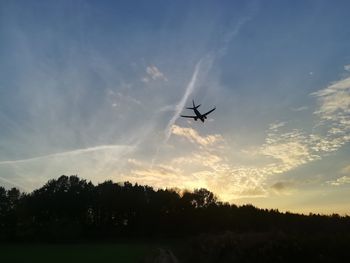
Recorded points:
(205,117)
(195,119)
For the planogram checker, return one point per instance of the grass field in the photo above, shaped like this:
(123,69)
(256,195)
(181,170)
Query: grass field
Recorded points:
(83,252)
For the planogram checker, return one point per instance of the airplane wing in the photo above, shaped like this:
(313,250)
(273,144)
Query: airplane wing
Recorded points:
(205,114)
(185,116)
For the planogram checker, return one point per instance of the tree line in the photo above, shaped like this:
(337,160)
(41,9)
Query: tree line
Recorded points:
(70,208)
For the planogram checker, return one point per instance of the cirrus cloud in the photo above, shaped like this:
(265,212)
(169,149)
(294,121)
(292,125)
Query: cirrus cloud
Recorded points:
(154,73)
(193,136)
(340,181)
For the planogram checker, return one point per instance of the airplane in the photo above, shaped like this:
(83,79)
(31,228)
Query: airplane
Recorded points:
(200,116)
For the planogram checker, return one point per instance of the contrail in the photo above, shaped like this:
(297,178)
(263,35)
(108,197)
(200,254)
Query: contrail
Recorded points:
(178,108)
(236,29)
(13,183)
(62,154)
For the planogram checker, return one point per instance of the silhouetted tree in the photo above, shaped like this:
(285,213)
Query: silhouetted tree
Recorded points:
(72,208)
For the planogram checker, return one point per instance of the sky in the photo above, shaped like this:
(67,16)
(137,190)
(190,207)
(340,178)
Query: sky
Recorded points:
(95,89)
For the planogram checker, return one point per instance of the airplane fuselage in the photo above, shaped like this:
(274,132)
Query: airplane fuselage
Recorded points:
(199,115)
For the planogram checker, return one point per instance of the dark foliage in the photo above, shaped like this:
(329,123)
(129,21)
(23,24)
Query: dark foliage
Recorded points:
(268,247)
(71,208)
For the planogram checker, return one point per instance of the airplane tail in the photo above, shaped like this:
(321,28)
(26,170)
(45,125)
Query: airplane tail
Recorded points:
(194,106)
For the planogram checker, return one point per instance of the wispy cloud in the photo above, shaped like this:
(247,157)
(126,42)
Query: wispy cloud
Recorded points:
(92,163)
(236,28)
(340,181)
(12,183)
(334,113)
(343,179)
(204,158)
(70,153)
(159,175)
(193,136)
(334,101)
(155,74)
(301,108)
(289,148)
(276,125)
(118,98)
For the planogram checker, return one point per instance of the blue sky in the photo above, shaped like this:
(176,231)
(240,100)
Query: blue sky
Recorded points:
(95,88)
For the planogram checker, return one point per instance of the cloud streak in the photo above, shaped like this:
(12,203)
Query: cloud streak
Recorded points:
(193,136)
(228,37)
(340,181)
(154,73)
(92,162)
(181,104)
(69,153)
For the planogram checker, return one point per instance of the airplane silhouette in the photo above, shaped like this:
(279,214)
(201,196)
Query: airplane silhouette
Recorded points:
(200,116)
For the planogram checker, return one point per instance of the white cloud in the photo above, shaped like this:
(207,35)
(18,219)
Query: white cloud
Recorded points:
(334,112)
(91,163)
(214,171)
(290,148)
(301,108)
(160,175)
(276,125)
(334,100)
(119,98)
(114,148)
(155,74)
(12,183)
(340,181)
(193,136)
(145,79)
(325,144)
